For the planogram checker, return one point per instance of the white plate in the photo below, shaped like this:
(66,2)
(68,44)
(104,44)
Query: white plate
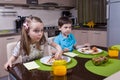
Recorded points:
(45,59)
(89,51)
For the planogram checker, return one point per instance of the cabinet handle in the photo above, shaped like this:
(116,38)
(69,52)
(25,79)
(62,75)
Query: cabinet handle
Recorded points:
(10,38)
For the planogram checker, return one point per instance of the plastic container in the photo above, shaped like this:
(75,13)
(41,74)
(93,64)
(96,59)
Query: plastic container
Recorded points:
(59,68)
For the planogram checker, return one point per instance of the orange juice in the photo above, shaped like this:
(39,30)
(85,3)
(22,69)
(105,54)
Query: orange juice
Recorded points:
(113,52)
(59,68)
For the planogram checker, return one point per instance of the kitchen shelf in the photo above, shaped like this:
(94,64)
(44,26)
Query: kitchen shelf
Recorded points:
(39,6)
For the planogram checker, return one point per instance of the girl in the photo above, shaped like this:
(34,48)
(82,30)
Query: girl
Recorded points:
(33,43)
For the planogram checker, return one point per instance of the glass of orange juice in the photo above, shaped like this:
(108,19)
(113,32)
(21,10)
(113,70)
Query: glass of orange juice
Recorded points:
(59,68)
(113,52)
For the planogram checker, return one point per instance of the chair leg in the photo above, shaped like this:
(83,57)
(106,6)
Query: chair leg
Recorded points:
(8,76)
(11,77)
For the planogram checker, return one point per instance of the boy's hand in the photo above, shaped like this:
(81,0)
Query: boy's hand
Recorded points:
(66,50)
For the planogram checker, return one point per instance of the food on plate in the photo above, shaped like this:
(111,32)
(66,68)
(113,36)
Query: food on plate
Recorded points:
(90,50)
(94,49)
(85,49)
(52,59)
(105,59)
(99,60)
(48,60)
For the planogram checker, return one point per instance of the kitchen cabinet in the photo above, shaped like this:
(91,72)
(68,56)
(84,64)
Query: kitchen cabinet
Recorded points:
(98,38)
(13,1)
(62,4)
(89,36)
(81,36)
(70,3)
(3,51)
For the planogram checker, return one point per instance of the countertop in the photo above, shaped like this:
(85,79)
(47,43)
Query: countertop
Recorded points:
(87,28)
(4,33)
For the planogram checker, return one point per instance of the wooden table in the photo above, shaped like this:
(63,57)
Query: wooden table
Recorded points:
(79,72)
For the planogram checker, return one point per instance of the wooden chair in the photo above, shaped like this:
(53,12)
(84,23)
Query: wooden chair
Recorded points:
(50,48)
(10,47)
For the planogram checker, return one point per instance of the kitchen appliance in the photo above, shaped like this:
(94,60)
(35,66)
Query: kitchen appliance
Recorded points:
(66,14)
(69,15)
(51,30)
(74,21)
(19,22)
(113,27)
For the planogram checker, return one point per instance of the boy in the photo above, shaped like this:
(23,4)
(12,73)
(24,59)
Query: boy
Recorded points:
(65,38)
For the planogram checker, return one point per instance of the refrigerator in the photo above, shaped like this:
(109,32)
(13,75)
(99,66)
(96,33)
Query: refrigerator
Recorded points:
(113,22)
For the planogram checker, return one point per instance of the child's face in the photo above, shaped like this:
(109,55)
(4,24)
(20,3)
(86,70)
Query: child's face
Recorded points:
(36,31)
(66,29)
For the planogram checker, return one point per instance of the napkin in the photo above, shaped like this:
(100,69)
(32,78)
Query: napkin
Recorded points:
(31,65)
(71,54)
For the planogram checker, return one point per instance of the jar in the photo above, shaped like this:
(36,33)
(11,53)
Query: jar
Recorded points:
(60,77)
(113,52)
(59,68)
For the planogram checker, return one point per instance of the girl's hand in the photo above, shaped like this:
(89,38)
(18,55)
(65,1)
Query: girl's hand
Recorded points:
(8,64)
(58,56)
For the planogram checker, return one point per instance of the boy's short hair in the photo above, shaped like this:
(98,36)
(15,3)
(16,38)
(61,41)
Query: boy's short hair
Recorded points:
(64,20)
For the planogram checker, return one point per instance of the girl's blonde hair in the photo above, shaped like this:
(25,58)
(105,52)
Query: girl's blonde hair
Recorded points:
(25,40)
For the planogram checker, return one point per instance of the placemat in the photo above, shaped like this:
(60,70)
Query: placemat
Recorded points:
(44,67)
(117,46)
(112,66)
(103,53)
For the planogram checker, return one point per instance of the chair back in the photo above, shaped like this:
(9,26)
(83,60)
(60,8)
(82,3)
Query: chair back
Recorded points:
(50,48)
(10,47)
